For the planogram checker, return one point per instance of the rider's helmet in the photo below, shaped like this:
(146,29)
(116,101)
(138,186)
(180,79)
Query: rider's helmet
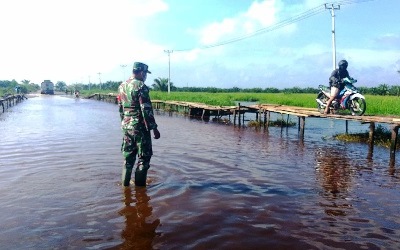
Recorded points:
(343,64)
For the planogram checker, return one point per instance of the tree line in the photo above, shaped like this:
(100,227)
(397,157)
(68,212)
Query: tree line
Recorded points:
(161,84)
(12,87)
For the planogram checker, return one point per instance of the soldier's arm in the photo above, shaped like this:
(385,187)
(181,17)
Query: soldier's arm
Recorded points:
(147,109)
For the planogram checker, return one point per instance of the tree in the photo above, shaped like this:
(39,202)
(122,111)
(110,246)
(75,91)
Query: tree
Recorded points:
(61,86)
(25,81)
(161,84)
(383,89)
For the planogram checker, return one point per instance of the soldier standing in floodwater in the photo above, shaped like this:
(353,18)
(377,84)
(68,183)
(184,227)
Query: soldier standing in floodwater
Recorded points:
(137,120)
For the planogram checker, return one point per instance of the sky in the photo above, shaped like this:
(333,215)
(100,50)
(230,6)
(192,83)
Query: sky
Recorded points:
(200,43)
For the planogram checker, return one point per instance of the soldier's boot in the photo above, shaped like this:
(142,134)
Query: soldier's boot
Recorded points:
(126,174)
(141,175)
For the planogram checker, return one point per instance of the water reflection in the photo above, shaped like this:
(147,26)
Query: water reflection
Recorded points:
(335,176)
(140,227)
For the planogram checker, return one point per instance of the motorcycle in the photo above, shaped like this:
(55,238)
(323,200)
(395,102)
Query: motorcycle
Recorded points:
(348,99)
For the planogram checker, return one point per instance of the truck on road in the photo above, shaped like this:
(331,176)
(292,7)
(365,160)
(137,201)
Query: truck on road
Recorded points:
(47,87)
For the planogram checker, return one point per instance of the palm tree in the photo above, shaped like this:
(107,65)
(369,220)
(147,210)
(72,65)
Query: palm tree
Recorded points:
(383,89)
(161,84)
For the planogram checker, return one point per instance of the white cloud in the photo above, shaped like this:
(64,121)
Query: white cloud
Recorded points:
(263,12)
(371,58)
(217,31)
(258,16)
(66,40)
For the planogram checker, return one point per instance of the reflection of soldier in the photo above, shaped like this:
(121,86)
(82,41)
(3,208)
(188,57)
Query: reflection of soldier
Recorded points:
(140,230)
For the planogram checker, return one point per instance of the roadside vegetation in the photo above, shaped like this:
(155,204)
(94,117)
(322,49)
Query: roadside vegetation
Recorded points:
(382,137)
(381,100)
(24,87)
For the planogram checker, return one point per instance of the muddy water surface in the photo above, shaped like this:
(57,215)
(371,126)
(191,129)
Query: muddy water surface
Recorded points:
(210,186)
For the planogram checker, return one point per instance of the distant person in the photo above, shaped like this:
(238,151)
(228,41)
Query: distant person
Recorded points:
(137,120)
(336,82)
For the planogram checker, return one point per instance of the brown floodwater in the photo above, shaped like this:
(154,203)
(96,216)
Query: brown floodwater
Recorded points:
(210,186)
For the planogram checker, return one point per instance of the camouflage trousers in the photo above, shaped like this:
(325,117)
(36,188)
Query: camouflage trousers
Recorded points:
(137,143)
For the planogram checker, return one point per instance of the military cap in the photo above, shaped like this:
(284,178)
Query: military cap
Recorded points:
(138,66)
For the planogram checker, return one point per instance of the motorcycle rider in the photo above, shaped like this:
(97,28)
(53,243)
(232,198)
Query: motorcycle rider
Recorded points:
(336,82)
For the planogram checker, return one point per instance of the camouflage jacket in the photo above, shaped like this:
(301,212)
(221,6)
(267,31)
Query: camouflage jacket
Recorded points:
(135,105)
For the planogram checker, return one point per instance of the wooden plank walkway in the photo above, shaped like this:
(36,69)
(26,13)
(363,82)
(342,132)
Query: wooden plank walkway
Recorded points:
(263,111)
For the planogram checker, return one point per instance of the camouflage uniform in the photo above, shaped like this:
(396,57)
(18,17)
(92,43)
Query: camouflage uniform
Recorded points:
(137,121)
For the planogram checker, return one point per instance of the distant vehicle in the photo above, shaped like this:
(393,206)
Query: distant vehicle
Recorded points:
(47,87)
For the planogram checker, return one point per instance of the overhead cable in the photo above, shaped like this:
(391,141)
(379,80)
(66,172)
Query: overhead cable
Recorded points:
(309,13)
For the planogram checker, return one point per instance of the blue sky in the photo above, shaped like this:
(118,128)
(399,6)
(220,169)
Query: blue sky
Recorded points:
(75,40)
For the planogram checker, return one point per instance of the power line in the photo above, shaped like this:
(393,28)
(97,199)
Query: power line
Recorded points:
(309,13)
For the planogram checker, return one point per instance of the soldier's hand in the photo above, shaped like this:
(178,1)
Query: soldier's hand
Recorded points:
(156,133)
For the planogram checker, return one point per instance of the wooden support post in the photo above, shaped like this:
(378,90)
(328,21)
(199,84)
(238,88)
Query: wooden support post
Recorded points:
(302,125)
(239,121)
(287,121)
(347,127)
(234,117)
(243,118)
(371,140)
(265,119)
(298,122)
(395,130)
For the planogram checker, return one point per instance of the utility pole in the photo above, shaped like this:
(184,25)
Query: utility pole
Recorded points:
(99,78)
(333,8)
(123,71)
(169,68)
(89,82)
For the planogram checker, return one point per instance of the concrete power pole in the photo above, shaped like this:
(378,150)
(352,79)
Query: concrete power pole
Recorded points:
(169,68)
(333,8)
(99,78)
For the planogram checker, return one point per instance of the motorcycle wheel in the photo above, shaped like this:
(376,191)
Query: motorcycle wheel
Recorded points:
(323,99)
(358,106)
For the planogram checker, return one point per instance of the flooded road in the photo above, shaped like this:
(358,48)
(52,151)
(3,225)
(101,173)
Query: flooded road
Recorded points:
(210,186)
